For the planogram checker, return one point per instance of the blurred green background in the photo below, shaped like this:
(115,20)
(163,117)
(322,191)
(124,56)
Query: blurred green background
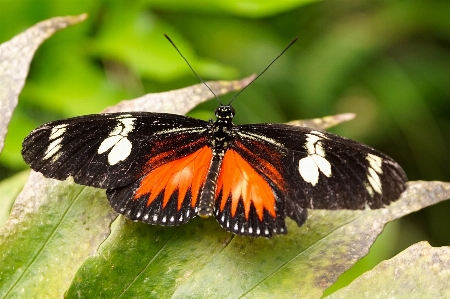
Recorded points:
(387,61)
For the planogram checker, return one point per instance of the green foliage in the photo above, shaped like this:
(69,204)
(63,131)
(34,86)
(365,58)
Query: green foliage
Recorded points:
(50,233)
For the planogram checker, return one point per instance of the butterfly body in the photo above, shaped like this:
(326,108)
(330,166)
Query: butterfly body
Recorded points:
(220,134)
(166,169)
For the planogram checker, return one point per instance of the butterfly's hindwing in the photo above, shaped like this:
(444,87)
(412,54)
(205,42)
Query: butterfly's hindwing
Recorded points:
(250,190)
(168,190)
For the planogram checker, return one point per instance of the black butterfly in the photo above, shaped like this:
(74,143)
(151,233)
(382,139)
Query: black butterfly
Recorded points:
(165,169)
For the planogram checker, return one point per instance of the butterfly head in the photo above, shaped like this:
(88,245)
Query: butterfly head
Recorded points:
(225,112)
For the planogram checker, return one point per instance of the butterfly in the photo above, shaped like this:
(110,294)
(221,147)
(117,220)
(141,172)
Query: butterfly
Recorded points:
(166,169)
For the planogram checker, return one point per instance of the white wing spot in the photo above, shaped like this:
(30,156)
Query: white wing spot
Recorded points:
(369,189)
(373,173)
(155,217)
(323,164)
(266,231)
(108,143)
(56,136)
(311,141)
(236,226)
(145,216)
(374,180)
(319,149)
(375,162)
(121,148)
(52,148)
(242,229)
(117,141)
(309,170)
(181,218)
(250,230)
(223,218)
(120,151)
(258,231)
(58,131)
(164,219)
(124,126)
(138,214)
(310,166)
(172,219)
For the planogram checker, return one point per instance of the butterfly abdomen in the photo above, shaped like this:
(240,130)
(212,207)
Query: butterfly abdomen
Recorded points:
(206,201)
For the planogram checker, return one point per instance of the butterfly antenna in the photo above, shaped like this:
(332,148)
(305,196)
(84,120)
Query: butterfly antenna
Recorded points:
(173,44)
(292,42)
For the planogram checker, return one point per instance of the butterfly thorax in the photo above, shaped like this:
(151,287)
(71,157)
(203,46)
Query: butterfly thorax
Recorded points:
(221,132)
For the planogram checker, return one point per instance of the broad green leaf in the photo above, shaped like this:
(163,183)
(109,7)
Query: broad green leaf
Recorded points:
(420,271)
(139,261)
(15,58)
(53,227)
(200,260)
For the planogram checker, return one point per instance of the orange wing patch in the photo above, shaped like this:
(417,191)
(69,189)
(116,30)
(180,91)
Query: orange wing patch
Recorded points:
(182,174)
(240,180)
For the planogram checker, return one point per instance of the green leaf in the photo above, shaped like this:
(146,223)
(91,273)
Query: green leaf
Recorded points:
(420,271)
(52,229)
(140,259)
(200,260)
